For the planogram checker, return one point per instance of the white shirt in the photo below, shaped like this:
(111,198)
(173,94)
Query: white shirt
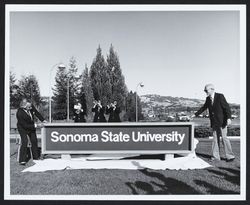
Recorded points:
(28,113)
(212,97)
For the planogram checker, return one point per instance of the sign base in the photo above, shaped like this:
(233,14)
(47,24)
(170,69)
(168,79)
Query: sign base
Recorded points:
(66,156)
(169,156)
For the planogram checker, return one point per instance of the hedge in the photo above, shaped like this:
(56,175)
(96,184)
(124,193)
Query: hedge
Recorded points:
(204,131)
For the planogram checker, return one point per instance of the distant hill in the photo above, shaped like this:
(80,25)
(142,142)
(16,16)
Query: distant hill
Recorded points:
(168,101)
(160,104)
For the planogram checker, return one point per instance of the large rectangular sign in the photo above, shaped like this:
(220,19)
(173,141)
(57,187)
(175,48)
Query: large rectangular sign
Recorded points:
(117,138)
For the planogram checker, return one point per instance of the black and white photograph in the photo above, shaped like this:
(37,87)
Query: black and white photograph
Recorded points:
(125,102)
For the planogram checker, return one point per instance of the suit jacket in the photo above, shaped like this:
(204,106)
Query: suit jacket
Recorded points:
(25,122)
(99,114)
(219,111)
(114,115)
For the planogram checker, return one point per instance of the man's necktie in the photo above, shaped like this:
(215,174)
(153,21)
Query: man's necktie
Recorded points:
(29,114)
(212,100)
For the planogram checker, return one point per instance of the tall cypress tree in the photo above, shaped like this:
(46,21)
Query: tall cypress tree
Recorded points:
(87,97)
(100,81)
(118,86)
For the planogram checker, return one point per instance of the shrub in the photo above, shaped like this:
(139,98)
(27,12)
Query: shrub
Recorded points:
(233,131)
(169,119)
(204,131)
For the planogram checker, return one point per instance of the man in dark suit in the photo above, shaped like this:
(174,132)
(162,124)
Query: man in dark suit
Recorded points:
(220,118)
(99,111)
(114,112)
(27,128)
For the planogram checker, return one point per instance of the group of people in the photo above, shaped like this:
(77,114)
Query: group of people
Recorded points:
(219,113)
(99,112)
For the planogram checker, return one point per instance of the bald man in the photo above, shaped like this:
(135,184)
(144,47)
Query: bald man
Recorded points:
(220,118)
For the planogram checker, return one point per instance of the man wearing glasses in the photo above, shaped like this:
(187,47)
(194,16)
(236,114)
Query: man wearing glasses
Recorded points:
(220,118)
(27,128)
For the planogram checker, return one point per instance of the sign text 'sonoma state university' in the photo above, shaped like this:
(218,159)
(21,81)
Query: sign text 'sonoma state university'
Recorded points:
(117,137)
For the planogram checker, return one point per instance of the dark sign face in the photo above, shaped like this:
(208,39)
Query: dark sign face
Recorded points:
(120,138)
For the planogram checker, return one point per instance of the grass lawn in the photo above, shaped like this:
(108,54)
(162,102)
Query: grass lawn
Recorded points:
(222,178)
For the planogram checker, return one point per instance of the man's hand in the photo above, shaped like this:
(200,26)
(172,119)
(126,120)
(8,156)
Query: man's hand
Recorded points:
(40,125)
(229,121)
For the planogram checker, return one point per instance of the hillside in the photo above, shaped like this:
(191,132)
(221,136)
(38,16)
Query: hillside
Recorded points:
(168,101)
(166,104)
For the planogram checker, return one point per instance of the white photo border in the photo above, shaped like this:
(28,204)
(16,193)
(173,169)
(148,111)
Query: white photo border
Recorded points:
(57,7)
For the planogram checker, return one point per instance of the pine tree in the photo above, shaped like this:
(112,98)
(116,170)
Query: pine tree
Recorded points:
(117,80)
(14,94)
(29,88)
(100,82)
(60,95)
(74,85)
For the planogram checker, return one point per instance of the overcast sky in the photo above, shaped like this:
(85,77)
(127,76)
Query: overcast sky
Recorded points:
(172,53)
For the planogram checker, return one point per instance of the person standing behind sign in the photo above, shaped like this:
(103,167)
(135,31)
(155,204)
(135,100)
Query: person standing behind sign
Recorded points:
(220,118)
(99,111)
(27,128)
(79,114)
(114,112)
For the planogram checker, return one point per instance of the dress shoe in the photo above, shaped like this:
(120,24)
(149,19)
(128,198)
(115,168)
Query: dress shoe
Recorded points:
(230,160)
(212,159)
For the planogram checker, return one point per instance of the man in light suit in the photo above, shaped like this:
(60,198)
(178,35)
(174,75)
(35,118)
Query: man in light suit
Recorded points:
(220,118)
(27,128)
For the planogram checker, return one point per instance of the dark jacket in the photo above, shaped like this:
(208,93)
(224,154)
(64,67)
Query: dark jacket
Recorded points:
(25,122)
(79,117)
(99,114)
(219,111)
(114,115)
